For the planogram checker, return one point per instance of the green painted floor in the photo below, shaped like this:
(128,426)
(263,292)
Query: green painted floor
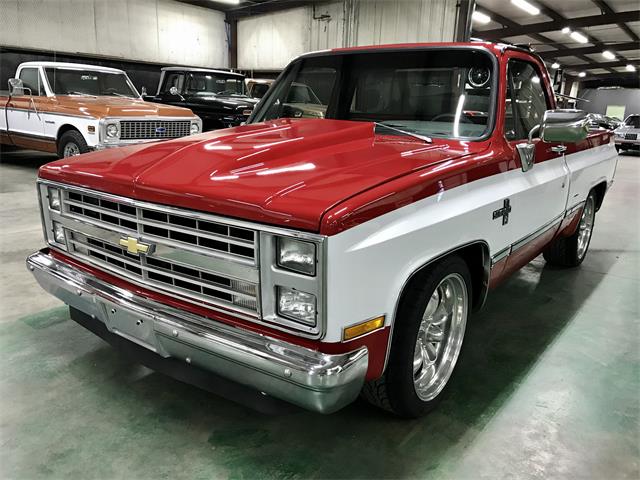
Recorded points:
(548,385)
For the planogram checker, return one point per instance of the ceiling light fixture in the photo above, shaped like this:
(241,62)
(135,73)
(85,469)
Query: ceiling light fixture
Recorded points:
(566,30)
(526,6)
(481,17)
(608,55)
(582,74)
(578,37)
(229,2)
(555,65)
(630,68)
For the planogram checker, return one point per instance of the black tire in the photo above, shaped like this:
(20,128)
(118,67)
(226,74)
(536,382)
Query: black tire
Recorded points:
(395,391)
(69,139)
(618,149)
(566,251)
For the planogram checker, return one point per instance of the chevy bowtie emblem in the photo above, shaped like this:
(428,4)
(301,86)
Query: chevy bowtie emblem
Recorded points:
(134,246)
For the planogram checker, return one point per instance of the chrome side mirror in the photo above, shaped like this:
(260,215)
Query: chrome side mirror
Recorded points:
(16,87)
(564,126)
(174,91)
(527,151)
(143,91)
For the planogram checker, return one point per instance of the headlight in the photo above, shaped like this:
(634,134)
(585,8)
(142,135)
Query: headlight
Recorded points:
(54,199)
(296,305)
(58,233)
(195,128)
(112,130)
(296,255)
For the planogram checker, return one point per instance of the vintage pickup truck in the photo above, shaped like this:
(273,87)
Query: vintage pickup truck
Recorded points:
(315,259)
(218,97)
(69,109)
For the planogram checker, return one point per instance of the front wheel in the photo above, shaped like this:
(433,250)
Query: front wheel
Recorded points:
(71,143)
(571,251)
(427,340)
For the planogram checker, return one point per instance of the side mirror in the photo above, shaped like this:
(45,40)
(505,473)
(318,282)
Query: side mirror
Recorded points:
(143,91)
(564,126)
(16,87)
(174,91)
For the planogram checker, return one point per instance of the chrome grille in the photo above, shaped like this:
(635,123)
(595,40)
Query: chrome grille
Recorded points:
(148,129)
(630,136)
(191,255)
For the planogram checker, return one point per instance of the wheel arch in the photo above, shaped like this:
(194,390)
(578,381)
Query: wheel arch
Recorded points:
(476,256)
(600,190)
(64,128)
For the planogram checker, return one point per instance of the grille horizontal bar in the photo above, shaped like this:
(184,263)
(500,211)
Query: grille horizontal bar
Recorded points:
(148,129)
(201,260)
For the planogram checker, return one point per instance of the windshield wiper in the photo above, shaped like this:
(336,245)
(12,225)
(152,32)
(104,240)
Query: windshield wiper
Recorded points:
(121,95)
(411,134)
(82,94)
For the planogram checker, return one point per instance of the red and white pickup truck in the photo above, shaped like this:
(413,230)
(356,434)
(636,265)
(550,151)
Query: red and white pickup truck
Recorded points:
(315,259)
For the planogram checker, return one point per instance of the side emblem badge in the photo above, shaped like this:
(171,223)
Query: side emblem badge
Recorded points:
(503,212)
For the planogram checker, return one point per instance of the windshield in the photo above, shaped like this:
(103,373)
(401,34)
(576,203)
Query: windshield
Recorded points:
(86,82)
(206,83)
(633,121)
(435,93)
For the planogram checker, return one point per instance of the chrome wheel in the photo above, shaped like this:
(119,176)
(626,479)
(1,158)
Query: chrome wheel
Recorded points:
(71,150)
(585,228)
(440,337)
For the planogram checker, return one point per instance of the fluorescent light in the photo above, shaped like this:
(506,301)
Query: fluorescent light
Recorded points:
(555,65)
(566,30)
(582,74)
(630,68)
(607,54)
(578,37)
(230,2)
(526,6)
(481,17)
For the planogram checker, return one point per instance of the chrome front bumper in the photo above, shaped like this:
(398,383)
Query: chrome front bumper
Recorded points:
(308,378)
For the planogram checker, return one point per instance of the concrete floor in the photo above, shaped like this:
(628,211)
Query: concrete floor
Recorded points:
(548,385)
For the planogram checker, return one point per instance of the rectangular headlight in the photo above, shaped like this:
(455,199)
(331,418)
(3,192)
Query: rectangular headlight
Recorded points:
(54,198)
(297,305)
(296,255)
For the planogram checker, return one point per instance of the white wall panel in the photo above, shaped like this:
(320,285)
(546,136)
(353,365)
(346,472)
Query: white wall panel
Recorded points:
(270,41)
(162,31)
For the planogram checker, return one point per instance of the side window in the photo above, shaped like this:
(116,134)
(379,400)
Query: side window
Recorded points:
(31,79)
(526,100)
(172,79)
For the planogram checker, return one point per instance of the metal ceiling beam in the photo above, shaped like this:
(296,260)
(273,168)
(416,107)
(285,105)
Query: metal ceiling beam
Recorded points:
(604,6)
(268,6)
(572,52)
(555,25)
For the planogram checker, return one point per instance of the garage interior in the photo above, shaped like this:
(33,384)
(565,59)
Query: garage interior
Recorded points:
(548,385)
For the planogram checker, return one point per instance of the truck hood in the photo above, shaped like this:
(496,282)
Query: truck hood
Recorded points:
(285,172)
(110,106)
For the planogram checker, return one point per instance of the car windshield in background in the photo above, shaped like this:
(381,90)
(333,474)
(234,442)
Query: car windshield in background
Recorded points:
(633,121)
(432,92)
(65,81)
(204,83)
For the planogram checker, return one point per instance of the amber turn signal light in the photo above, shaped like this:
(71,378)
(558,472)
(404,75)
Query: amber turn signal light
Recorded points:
(362,328)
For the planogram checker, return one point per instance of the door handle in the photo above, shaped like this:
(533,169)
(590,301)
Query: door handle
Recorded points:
(559,148)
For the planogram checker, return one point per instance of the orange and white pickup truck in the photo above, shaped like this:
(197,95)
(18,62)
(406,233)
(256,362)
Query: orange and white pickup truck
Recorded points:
(70,108)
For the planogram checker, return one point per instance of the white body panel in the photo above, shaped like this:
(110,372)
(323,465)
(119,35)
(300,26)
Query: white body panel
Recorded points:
(368,265)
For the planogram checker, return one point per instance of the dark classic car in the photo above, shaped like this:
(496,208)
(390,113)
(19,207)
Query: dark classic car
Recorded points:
(218,97)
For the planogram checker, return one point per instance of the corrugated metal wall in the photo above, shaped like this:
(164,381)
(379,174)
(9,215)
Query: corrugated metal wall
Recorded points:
(163,31)
(269,42)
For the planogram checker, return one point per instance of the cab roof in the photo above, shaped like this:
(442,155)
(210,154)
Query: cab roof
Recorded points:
(76,66)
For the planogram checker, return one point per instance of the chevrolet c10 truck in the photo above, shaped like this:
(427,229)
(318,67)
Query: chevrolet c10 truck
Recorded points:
(318,259)
(69,109)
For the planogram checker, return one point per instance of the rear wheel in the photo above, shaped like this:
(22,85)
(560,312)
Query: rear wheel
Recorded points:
(427,340)
(72,143)
(571,251)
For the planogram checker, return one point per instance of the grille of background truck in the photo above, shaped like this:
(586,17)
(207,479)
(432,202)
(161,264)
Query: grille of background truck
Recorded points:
(146,129)
(184,234)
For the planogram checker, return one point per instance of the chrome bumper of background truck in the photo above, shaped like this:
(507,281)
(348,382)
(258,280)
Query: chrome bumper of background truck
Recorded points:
(305,377)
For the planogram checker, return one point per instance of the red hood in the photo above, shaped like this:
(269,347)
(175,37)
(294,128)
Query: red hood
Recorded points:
(284,172)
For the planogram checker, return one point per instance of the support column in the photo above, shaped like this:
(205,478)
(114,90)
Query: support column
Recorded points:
(463,20)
